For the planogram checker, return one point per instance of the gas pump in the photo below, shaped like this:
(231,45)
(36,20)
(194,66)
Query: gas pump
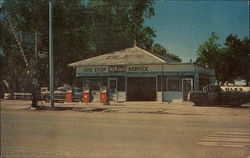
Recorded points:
(68,96)
(104,95)
(86,94)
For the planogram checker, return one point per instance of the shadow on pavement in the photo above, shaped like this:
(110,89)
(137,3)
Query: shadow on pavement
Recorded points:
(226,106)
(83,109)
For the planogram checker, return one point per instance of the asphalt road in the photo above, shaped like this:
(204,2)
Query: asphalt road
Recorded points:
(75,134)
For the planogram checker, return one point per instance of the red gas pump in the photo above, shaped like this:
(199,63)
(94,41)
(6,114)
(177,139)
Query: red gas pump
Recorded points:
(86,94)
(68,96)
(104,95)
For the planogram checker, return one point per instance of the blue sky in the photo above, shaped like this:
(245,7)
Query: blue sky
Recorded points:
(181,26)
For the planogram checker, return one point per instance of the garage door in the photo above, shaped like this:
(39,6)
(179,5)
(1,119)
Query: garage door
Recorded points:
(141,89)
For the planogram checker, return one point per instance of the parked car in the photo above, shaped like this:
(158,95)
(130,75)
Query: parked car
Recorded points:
(60,92)
(59,95)
(214,95)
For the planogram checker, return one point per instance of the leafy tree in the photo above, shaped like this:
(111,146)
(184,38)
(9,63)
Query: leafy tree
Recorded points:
(231,54)
(118,24)
(25,16)
(211,54)
(2,87)
(241,60)
(208,52)
(230,61)
(83,29)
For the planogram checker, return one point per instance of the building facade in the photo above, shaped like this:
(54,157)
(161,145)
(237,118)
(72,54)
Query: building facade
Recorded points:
(134,74)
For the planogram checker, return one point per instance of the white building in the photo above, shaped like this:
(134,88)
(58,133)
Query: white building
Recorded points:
(133,74)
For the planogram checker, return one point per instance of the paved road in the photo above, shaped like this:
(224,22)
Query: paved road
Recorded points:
(58,134)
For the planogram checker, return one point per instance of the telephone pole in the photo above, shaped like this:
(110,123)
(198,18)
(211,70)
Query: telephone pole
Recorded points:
(51,53)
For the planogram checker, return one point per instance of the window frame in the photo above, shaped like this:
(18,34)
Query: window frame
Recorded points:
(174,78)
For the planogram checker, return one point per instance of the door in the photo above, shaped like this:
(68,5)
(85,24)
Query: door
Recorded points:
(141,89)
(187,86)
(112,89)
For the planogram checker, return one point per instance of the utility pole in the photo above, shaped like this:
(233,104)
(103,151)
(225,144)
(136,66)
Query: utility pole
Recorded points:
(36,52)
(51,54)
(35,76)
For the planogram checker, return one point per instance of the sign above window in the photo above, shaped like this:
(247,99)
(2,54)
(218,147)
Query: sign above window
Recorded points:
(134,68)
(117,68)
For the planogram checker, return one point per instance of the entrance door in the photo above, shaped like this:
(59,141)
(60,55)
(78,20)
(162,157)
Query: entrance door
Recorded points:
(112,89)
(187,86)
(141,88)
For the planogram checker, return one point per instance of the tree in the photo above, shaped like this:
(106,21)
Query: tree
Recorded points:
(118,24)
(2,87)
(82,30)
(230,61)
(241,62)
(211,54)
(25,16)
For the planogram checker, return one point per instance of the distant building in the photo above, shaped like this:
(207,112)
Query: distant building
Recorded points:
(133,74)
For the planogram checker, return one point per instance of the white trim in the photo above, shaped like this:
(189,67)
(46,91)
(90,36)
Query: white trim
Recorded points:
(192,87)
(192,83)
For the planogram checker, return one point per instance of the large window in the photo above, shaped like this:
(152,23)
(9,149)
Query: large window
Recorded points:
(173,84)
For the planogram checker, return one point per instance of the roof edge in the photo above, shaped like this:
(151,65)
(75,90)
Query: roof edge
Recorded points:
(151,54)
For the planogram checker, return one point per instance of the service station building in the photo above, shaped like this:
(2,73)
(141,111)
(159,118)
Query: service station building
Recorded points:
(133,74)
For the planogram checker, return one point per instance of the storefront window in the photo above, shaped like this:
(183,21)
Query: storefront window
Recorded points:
(92,83)
(173,85)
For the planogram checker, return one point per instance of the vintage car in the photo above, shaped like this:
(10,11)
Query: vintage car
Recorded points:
(215,95)
(60,92)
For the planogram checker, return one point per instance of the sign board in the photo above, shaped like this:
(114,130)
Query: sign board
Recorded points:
(117,68)
(138,68)
(134,68)
(97,69)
